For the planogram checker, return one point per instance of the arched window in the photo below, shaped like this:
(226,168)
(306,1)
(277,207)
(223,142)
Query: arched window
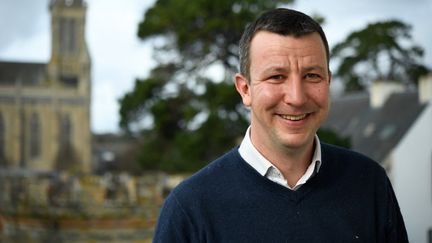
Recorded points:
(68,29)
(65,131)
(35,136)
(66,157)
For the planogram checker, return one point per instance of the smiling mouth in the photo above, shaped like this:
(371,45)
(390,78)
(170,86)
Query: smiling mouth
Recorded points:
(294,117)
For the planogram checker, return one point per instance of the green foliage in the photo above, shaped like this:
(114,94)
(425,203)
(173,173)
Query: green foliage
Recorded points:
(179,143)
(331,137)
(380,51)
(202,32)
(194,117)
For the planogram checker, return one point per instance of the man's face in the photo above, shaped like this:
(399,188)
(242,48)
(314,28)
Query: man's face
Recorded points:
(288,90)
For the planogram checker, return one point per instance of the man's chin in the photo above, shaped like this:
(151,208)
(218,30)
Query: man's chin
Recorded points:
(297,141)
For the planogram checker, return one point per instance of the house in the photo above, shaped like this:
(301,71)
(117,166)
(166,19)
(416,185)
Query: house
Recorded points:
(45,107)
(393,125)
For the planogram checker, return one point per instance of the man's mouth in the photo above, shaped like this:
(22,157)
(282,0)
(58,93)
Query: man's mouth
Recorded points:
(293,117)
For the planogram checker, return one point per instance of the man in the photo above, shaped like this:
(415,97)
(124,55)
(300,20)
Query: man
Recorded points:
(282,184)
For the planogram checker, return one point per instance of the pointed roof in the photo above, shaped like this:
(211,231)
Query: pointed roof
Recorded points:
(374,132)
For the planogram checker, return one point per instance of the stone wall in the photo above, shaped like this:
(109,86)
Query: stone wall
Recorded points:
(60,207)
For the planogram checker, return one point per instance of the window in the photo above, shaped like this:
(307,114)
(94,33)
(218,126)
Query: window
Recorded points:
(63,34)
(66,157)
(69,81)
(72,35)
(68,35)
(65,131)
(2,142)
(370,128)
(387,131)
(35,136)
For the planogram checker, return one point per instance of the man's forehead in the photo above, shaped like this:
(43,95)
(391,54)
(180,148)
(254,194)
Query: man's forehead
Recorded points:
(309,47)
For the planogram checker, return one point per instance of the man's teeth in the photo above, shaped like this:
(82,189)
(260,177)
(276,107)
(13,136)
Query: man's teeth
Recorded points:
(293,118)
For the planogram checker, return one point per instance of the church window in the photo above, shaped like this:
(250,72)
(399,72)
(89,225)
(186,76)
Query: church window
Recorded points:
(63,34)
(35,136)
(68,35)
(72,35)
(69,80)
(2,139)
(65,131)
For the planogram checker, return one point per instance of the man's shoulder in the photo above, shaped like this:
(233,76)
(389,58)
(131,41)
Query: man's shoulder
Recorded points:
(213,175)
(343,157)
(336,152)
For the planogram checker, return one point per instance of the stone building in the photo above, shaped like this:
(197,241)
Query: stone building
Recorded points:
(45,107)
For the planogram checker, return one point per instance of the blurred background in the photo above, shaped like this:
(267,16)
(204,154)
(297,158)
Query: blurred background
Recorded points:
(105,105)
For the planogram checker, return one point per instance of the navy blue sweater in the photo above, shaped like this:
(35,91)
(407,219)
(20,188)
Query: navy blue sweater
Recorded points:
(349,200)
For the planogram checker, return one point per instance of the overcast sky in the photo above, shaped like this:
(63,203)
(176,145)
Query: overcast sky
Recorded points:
(118,57)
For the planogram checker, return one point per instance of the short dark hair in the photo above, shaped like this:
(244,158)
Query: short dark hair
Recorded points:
(281,21)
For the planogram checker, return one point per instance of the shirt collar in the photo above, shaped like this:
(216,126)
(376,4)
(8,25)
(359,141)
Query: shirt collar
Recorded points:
(253,157)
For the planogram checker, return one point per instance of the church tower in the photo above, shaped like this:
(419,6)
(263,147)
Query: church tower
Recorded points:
(70,61)
(69,70)
(45,107)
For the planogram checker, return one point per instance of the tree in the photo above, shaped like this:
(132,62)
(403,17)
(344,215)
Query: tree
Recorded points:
(381,51)
(195,117)
(332,137)
(201,32)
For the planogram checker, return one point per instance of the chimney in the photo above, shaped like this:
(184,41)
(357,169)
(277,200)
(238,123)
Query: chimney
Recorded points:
(380,91)
(425,89)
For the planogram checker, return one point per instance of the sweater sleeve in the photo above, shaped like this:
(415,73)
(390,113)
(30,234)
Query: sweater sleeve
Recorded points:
(174,225)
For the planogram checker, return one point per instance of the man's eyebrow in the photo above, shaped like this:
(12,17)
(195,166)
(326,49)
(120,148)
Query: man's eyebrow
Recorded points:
(315,67)
(275,69)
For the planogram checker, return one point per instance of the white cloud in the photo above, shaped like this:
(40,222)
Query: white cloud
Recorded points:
(27,18)
(118,57)
(24,30)
(104,108)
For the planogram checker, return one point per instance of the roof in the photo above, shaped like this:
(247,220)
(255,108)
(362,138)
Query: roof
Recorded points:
(26,73)
(374,131)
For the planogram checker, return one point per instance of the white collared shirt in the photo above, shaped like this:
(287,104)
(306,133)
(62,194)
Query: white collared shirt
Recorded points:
(265,168)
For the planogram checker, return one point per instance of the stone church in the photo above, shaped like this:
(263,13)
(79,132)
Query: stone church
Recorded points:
(45,107)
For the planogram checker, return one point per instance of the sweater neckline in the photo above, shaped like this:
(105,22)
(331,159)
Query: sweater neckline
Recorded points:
(294,196)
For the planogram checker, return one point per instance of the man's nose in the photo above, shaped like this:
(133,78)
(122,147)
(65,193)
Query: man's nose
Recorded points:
(294,92)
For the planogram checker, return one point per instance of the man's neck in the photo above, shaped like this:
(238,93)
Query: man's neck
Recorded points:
(291,162)
(295,163)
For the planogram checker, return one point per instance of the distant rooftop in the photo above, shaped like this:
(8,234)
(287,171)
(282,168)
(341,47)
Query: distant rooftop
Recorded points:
(374,132)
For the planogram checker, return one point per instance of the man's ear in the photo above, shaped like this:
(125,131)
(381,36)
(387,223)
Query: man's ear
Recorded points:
(242,86)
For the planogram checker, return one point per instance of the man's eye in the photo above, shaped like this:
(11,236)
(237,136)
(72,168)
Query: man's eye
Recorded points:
(277,77)
(313,76)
